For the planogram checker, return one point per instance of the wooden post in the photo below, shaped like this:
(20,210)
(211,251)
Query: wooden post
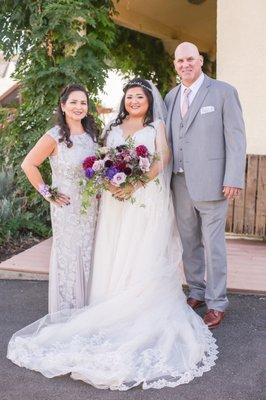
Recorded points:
(250,197)
(239,212)
(260,227)
(230,216)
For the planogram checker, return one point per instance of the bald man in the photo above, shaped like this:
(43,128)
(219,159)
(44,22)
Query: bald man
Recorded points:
(206,129)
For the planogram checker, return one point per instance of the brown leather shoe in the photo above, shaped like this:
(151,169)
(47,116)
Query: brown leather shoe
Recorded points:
(194,303)
(213,318)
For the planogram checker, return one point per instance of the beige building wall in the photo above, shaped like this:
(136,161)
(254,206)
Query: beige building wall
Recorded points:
(241,61)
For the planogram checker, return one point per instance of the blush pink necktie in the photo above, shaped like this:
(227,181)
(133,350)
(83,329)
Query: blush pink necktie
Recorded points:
(185,104)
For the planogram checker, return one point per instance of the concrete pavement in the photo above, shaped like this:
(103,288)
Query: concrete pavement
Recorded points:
(240,373)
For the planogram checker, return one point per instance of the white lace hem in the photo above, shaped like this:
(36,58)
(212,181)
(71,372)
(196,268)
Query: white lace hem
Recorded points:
(22,356)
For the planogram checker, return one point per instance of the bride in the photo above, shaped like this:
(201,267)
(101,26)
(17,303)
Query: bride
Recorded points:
(138,328)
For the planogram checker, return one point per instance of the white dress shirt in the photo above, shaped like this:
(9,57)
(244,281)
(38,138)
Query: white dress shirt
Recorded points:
(194,90)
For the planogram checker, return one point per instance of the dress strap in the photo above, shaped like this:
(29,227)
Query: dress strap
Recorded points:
(54,133)
(157,123)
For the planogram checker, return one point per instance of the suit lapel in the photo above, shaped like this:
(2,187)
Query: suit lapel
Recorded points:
(198,100)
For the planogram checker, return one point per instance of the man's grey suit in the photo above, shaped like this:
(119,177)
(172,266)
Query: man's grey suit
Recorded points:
(209,145)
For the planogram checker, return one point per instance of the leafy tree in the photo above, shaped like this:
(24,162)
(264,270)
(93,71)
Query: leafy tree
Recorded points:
(134,53)
(58,42)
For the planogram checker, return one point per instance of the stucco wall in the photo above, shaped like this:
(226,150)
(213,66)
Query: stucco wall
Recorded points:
(241,61)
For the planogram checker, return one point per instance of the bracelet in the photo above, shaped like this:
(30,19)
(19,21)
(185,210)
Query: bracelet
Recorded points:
(45,190)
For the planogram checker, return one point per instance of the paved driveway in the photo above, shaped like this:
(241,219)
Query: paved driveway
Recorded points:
(240,373)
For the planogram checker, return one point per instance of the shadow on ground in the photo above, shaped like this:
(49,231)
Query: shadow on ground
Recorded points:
(238,375)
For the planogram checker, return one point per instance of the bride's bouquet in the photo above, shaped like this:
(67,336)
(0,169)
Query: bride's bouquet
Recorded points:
(119,166)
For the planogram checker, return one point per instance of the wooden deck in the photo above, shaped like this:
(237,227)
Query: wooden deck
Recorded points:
(246,265)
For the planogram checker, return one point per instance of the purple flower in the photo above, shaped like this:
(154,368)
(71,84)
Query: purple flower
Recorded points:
(110,172)
(89,173)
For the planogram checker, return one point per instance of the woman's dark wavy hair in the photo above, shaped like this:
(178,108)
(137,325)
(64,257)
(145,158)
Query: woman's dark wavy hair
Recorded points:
(88,122)
(122,114)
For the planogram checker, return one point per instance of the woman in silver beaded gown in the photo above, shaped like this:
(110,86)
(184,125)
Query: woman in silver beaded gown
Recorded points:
(67,145)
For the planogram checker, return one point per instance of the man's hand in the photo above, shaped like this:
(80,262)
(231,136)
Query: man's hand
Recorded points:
(231,192)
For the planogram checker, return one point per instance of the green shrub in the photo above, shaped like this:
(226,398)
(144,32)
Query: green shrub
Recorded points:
(15,220)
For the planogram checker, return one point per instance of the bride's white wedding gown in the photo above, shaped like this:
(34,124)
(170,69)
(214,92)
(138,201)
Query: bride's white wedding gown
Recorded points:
(138,328)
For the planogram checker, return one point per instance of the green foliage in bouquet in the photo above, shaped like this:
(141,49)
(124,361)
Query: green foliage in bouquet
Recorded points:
(89,191)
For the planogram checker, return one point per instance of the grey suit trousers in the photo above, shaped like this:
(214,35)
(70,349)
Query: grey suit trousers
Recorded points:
(201,226)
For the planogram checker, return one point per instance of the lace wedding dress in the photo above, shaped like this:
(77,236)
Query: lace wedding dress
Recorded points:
(138,328)
(73,232)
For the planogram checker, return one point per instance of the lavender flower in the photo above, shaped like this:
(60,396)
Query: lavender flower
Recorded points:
(144,164)
(98,165)
(119,178)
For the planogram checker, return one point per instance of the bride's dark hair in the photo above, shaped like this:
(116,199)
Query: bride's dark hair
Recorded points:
(122,114)
(88,123)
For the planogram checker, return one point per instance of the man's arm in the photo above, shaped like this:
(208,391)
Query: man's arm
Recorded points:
(235,143)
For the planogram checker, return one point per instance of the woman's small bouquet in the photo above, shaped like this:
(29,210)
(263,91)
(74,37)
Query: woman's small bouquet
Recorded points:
(119,166)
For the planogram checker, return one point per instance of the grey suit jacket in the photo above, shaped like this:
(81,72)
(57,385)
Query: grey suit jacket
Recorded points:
(215,145)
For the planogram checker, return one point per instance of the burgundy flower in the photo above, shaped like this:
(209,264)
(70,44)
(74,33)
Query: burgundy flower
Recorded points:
(108,163)
(142,151)
(127,171)
(88,162)
(121,165)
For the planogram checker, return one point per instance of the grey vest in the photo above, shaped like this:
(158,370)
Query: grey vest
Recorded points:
(178,129)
